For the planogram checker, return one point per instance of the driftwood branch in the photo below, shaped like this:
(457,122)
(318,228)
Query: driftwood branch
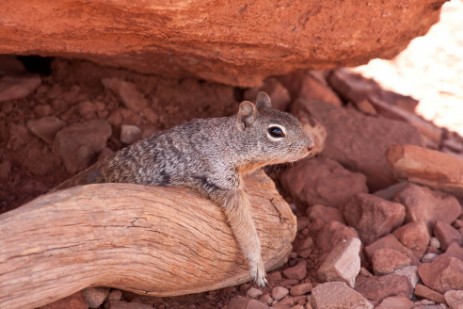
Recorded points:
(428,167)
(148,240)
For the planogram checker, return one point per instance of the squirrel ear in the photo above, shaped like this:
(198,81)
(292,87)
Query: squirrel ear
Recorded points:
(246,114)
(263,100)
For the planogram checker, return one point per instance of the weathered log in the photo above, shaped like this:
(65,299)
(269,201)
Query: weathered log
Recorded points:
(148,240)
(428,167)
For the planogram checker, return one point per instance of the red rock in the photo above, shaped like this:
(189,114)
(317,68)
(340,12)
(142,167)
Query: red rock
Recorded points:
(45,128)
(300,300)
(13,88)
(10,65)
(366,107)
(342,263)
(115,295)
(387,260)
(43,110)
(311,181)
(454,250)
(278,93)
(266,299)
(372,216)
(424,204)
(313,89)
(120,304)
(443,274)
(298,272)
(252,292)
(427,304)
(351,86)
(5,169)
(132,98)
(425,292)
(302,223)
(37,159)
(279,292)
(285,303)
(426,166)
(376,288)
(446,234)
(87,110)
(301,289)
(356,88)
(391,242)
(289,282)
(79,143)
(454,299)
(320,215)
(19,137)
(94,297)
(219,49)
(332,234)
(240,302)
(359,142)
(434,243)
(429,257)
(305,247)
(395,302)
(297,307)
(390,192)
(74,301)
(345,297)
(409,272)
(130,134)
(274,278)
(414,236)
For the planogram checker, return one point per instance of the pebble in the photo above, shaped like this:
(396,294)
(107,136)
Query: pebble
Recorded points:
(338,295)
(130,134)
(454,299)
(45,128)
(253,292)
(301,289)
(298,272)
(342,263)
(95,296)
(279,292)
(13,88)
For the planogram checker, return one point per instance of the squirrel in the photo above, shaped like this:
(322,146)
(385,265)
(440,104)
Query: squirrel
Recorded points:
(211,155)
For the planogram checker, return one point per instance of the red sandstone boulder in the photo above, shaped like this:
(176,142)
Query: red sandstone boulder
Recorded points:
(443,274)
(360,142)
(372,216)
(239,43)
(414,236)
(376,288)
(311,181)
(424,204)
(332,234)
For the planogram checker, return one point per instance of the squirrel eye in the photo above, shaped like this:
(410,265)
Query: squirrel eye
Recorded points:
(276,132)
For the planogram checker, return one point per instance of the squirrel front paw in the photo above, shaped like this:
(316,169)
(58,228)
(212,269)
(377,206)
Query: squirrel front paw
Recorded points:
(258,274)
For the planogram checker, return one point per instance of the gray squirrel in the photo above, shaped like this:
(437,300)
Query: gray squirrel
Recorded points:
(211,156)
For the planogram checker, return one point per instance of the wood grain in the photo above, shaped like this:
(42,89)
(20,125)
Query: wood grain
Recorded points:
(148,240)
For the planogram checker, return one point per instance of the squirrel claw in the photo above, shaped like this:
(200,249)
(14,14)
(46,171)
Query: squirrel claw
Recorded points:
(258,275)
(261,282)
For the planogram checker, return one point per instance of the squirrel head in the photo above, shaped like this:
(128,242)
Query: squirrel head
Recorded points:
(273,136)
